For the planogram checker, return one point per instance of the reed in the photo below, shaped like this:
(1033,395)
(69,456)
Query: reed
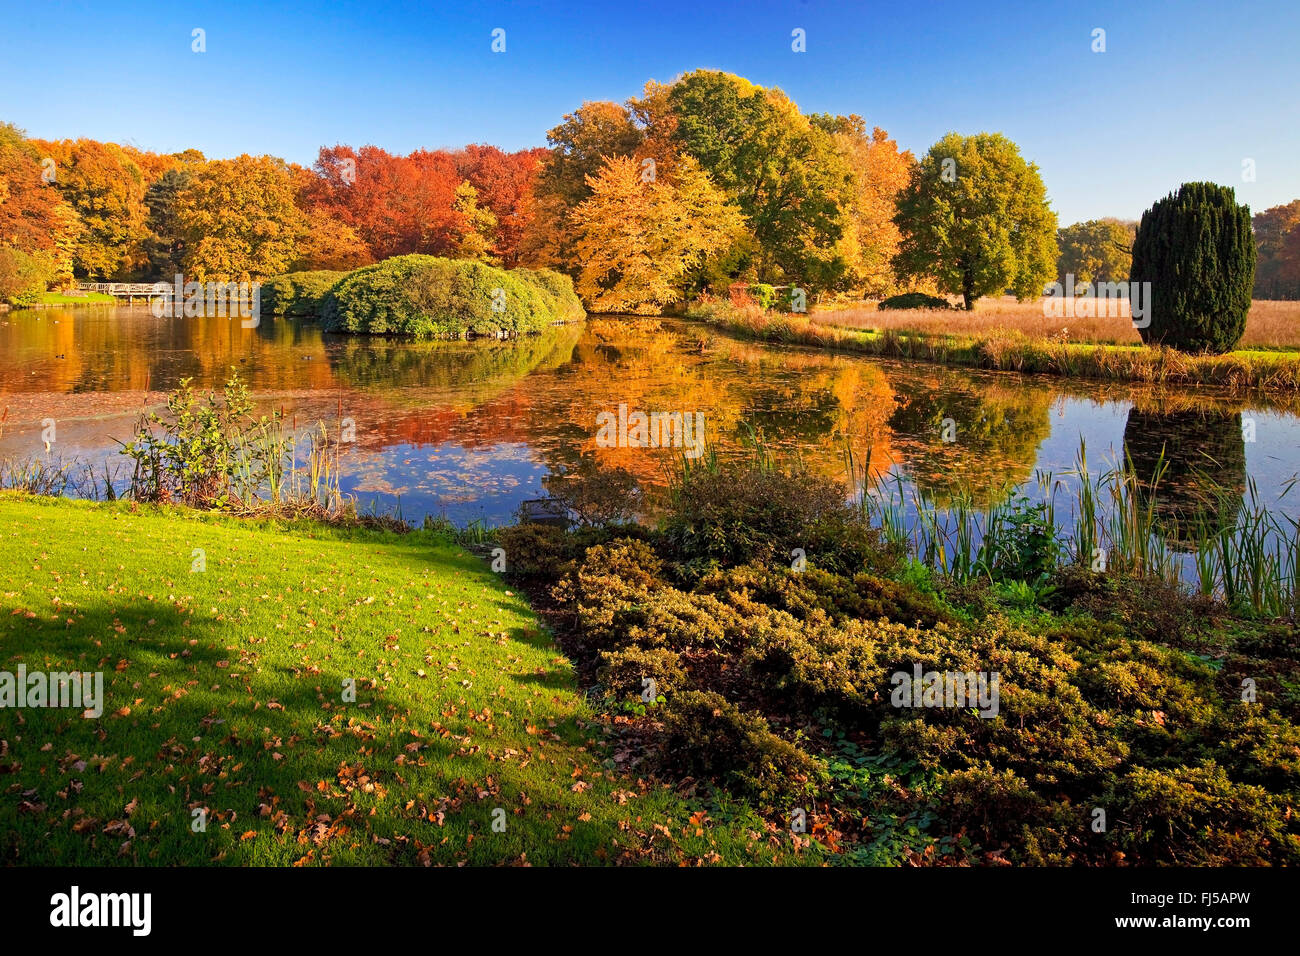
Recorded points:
(1108,521)
(1001,349)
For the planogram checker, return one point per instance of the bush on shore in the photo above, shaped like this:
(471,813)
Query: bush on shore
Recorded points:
(298,294)
(429,297)
(568,307)
(23,276)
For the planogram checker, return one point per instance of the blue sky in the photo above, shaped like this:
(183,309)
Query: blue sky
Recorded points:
(1184,91)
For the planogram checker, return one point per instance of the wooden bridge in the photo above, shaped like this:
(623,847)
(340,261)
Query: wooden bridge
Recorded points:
(122,290)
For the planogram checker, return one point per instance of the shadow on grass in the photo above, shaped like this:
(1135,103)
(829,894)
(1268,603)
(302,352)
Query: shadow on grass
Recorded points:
(198,719)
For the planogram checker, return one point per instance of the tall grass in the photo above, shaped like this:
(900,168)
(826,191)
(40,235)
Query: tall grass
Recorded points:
(1108,522)
(1001,349)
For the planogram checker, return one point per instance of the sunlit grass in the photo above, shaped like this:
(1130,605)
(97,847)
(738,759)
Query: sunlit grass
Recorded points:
(225,645)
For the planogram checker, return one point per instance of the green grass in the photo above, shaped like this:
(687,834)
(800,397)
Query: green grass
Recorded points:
(86,298)
(223,691)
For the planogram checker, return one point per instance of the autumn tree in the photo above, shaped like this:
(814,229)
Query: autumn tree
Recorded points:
(880,171)
(478,233)
(579,146)
(638,236)
(329,244)
(34,218)
(1277,235)
(503,184)
(237,218)
(106,188)
(396,204)
(782,170)
(1099,250)
(976,219)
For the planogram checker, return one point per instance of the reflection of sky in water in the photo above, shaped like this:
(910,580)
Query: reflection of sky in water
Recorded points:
(482,483)
(468,431)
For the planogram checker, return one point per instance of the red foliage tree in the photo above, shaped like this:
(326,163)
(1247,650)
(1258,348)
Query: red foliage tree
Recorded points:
(396,204)
(504,182)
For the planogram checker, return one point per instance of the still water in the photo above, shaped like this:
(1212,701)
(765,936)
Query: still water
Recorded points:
(469,430)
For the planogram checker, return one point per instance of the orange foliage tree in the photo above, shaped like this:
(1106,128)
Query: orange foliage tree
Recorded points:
(106,188)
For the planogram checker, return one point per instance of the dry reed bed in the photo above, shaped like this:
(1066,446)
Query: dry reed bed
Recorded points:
(1270,324)
(1013,350)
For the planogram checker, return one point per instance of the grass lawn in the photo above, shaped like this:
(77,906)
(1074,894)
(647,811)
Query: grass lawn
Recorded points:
(224,691)
(85,298)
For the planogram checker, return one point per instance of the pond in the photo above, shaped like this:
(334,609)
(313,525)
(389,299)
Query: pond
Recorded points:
(468,430)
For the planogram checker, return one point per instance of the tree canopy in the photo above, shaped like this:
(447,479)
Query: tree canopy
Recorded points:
(975,218)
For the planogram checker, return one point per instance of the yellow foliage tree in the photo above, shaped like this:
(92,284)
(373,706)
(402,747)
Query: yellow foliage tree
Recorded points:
(639,235)
(239,220)
(871,238)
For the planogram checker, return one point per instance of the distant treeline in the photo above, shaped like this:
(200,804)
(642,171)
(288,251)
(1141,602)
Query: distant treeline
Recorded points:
(691,186)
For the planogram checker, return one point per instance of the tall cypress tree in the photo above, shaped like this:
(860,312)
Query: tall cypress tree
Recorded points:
(1197,250)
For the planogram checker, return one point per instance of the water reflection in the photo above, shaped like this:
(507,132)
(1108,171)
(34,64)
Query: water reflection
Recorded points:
(468,430)
(1194,462)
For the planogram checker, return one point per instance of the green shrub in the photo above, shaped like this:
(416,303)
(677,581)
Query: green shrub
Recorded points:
(995,806)
(23,277)
(568,307)
(534,549)
(734,513)
(914,300)
(1197,249)
(705,735)
(208,451)
(839,596)
(1196,816)
(1149,608)
(764,294)
(623,672)
(429,297)
(298,294)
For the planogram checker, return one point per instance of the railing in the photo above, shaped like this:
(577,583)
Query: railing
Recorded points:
(118,288)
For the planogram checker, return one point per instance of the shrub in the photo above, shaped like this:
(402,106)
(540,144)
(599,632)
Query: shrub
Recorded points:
(706,735)
(597,496)
(208,452)
(1197,250)
(1150,608)
(1196,816)
(298,294)
(763,294)
(623,671)
(914,300)
(734,513)
(838,596)
(428,297)
(534,549)
(568,307)
(23,277)
(994,805)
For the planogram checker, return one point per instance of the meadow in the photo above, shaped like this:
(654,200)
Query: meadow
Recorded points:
(1270,324)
